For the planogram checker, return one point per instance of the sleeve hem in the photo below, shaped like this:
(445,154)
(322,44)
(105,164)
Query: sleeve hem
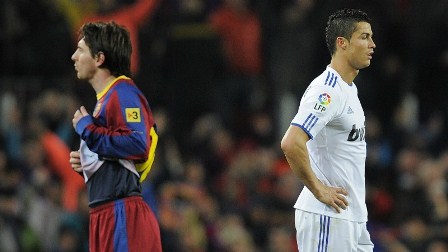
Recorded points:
(303,128)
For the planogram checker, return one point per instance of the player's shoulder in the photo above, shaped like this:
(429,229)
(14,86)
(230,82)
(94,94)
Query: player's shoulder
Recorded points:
(327,82)
(124,86)
(328,79)
(125,83)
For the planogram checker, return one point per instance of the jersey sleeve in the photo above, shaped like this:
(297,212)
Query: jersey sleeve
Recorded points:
(129,130)
(318,106)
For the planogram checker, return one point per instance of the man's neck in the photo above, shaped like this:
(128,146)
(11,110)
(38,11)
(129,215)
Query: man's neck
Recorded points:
(347,73)
(100,81)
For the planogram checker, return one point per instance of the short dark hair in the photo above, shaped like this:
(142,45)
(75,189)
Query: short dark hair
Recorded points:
(113,41)
(342,23)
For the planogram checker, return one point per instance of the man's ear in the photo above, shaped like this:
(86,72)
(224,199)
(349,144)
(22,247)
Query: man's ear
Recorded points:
(100,58)
(341,42)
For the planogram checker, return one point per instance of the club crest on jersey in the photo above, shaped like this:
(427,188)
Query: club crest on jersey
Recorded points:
(133,115)
(323,101)
(97,109)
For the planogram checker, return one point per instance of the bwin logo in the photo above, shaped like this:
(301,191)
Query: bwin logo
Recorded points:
(357,134)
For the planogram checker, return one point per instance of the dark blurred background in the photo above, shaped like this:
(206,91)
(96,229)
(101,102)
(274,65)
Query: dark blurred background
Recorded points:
(224,78)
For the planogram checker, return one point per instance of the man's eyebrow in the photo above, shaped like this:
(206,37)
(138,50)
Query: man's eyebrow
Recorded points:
(367,33)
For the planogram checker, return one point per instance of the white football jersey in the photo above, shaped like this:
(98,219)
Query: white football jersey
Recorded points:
(331,114)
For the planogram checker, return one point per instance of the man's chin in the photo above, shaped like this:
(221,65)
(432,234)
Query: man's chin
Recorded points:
(367,64)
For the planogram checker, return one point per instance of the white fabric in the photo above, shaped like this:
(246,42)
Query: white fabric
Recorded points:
(90,162)
(332,115)
(322,233)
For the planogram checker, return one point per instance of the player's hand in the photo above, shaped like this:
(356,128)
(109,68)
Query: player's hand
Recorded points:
(75,161)
(80,113)
(333,197)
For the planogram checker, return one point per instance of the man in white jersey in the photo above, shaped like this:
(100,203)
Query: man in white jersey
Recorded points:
(325,144)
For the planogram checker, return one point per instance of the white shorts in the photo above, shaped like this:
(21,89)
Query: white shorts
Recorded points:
(321,233)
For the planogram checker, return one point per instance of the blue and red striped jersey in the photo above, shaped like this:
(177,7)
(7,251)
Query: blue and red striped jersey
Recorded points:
(121,127)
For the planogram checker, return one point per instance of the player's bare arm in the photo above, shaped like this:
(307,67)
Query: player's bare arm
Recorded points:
(294,147)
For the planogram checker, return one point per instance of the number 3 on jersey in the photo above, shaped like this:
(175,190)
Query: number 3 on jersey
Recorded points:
(133,115)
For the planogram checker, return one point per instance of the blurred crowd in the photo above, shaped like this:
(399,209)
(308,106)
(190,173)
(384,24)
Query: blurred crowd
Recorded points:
(223,78)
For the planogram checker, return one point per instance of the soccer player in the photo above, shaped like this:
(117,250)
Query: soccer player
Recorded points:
(325,144)
(118,142)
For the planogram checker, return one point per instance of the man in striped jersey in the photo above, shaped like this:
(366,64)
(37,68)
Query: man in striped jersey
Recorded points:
(118,142)
(325,144)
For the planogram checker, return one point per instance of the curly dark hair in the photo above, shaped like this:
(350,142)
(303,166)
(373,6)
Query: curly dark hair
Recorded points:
(342,23)
(113,41)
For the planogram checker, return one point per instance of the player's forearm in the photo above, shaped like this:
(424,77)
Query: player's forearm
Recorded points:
(120,143)
(299,162)
(130,146)
(294,147)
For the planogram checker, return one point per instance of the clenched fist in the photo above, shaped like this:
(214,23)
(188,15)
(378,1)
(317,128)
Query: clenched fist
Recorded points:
(75,161)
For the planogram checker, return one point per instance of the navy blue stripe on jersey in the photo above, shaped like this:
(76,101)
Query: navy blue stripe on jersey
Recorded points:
(334,81)
(310,122)
(328,76)
(331,79)
(324,233)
